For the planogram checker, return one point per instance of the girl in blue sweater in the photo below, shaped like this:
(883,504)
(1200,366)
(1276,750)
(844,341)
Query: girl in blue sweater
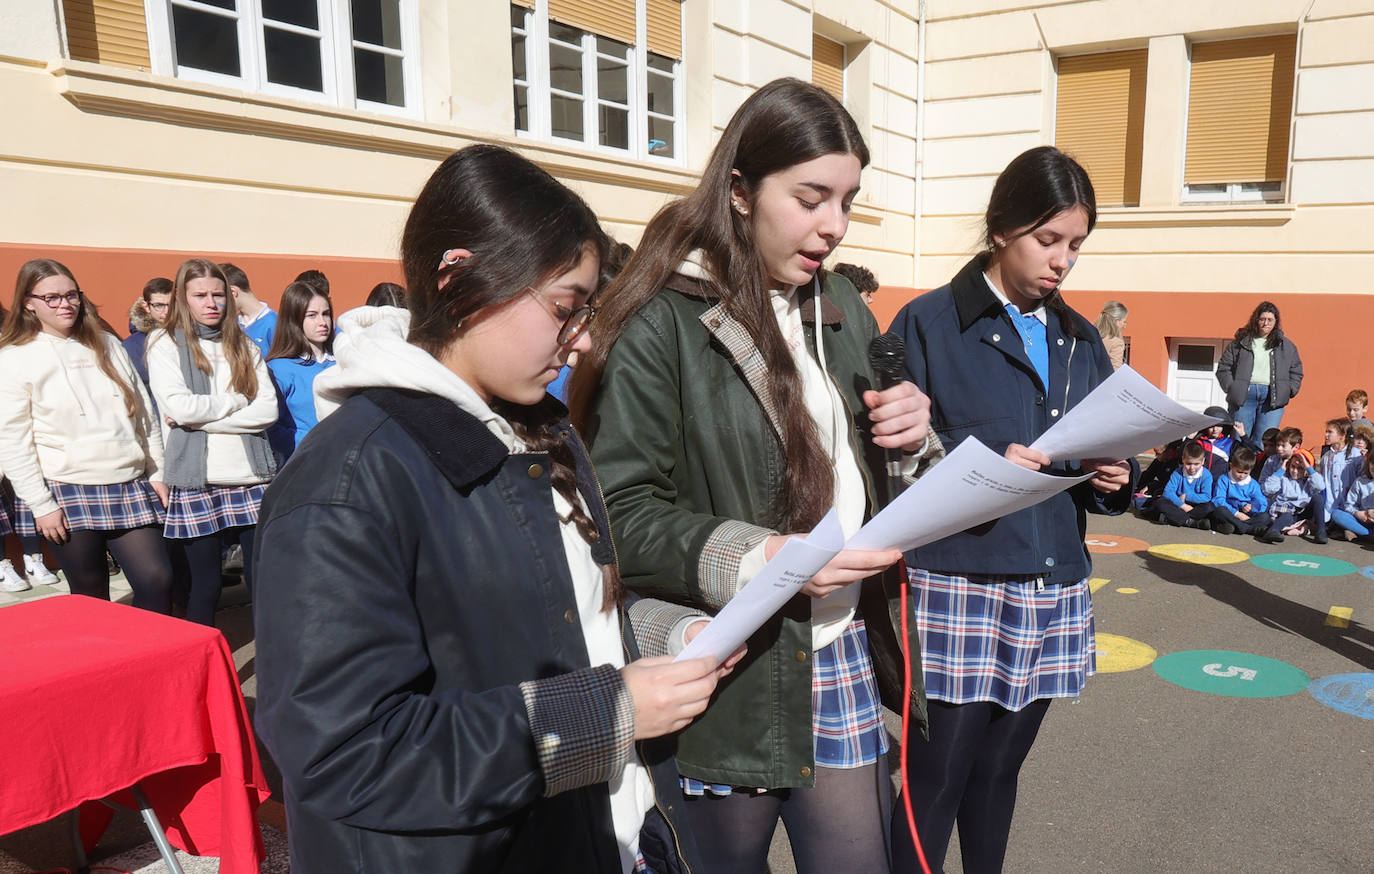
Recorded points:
(1356,512)
(1296,496)
(302,349)
(1238,502)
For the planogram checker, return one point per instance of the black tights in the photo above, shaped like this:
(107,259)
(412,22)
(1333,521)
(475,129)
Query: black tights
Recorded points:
(139,552)
(967,771)
(837,826)
(205,561)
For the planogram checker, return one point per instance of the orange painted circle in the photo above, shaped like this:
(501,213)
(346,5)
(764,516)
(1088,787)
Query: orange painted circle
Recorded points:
(1109,543)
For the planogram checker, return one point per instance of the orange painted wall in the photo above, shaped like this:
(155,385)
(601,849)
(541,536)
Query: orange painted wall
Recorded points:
(113,278)
(1331,332)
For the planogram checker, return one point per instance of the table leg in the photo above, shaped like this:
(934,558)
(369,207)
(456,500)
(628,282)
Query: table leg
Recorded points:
(155,829)
(81,865)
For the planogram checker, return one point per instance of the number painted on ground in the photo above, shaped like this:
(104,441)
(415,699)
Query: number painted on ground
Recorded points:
(1216,670)
(1288,562)
(1094,542)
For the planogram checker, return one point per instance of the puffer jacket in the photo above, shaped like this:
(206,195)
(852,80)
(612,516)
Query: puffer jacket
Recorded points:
(1238,362)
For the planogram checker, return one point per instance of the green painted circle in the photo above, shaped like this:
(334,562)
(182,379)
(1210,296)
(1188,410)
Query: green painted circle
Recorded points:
(1234,674)
(1304,565)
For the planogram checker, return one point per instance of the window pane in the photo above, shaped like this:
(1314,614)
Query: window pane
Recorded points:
(660,96)
(293,59)
(565,68)
(522,108)
(612,81)
(611,47)
(303,13)
(206,41)
(378,77)
(377,22)
(517,17)
(567,116)
(565,33)
(658,62)
(661,137)
(517,56)
(615,127)
(222,4)
(1195,357)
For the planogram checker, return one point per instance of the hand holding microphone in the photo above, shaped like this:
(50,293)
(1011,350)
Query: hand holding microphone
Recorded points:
(900,412)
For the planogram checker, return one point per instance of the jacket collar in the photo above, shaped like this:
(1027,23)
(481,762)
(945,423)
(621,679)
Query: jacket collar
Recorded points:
(698,288)
(972,297)
(458,444)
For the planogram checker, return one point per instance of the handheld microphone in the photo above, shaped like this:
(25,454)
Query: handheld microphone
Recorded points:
(886,354)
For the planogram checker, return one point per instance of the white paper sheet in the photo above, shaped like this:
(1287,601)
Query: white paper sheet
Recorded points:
(970,486)
(1121,418)
(782,577)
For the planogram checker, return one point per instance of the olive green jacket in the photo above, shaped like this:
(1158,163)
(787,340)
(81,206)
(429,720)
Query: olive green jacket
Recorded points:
(685,440)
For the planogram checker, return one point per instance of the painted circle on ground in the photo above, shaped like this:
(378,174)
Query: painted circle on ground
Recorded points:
(1111,543)
(1129,590)
(1304,565)
(1116,654)
(1348,693)
(1368,571)
(1234,674)
(1199,553)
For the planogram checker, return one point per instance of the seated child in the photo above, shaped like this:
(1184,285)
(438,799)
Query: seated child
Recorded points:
(1238,502)
(1339,463)
(1270,441)
(1355,405)
(1156,476)
(1356,513)
(1187,499)
(1218,439)
(1288,442)
(1296,496)
(1362,437)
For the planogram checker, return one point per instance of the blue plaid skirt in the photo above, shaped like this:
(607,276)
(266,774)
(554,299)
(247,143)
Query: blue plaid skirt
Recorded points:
(5,527)
(1002,639)
(112,507)
(199,512)
(846,713)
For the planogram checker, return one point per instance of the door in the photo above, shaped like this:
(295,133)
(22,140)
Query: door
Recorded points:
(1193,372)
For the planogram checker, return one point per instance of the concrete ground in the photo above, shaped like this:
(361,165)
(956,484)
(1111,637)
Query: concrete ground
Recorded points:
(1141,774)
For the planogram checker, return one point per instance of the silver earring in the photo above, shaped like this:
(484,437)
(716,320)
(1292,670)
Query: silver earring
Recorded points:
(739,207)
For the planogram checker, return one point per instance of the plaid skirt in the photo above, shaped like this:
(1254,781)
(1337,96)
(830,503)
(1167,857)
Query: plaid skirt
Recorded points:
(111,507)
(198,512)
(1002,639)
(5,527)
(846,713)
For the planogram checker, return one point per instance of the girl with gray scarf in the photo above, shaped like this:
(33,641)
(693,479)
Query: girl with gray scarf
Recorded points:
(217,400)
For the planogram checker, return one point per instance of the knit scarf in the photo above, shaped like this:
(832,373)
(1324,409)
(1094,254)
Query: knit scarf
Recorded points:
(186,447)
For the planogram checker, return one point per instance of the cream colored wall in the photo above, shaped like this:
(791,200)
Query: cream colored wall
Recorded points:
(112,158)
(990,89)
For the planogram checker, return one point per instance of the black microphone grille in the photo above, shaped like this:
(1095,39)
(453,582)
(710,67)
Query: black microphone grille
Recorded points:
(886,354)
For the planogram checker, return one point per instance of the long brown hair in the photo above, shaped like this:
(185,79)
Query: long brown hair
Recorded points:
(236,345)
(289,341)
(522,227)
(21,325)
(785,123)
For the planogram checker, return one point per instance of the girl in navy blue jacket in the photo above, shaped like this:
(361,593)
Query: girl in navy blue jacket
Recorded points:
(1003,357)
(302,349)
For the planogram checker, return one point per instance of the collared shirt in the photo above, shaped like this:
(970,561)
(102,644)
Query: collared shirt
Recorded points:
(1032,328)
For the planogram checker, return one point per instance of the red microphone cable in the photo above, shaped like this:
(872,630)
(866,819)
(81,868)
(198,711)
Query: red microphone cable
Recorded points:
(906,717)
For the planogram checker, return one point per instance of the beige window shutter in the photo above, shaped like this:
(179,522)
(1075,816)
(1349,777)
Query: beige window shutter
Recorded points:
(663,27)
(524,4)
(1100,121)
(110,32)
(1240,104)
(614,19)
(827,65)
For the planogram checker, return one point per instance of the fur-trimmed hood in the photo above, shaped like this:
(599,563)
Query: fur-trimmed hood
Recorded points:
(140,319)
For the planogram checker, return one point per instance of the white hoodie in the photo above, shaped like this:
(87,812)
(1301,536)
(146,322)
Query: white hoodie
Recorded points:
(372,351)
(63,419)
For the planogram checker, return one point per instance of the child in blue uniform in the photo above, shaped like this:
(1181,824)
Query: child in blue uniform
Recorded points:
(1187,499)
(302,349)
(1238,502)
(1296,495)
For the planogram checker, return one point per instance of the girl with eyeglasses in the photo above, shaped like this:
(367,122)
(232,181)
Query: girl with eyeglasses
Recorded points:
(78,440)
(302,349)
(448,672)
(216,400)
(730,404)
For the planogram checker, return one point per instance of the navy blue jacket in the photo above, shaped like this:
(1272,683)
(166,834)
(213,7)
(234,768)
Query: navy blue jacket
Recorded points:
(963,350)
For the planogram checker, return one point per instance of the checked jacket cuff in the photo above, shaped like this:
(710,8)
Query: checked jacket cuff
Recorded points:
(718,568)
(583,725)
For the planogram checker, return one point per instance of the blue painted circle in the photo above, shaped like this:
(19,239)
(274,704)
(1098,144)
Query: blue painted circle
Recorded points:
(1348,693)
(1303,565)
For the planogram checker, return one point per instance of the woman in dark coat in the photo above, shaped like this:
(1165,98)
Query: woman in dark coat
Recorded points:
(1260,371)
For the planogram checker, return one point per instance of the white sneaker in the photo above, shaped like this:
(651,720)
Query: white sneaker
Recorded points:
(10,581)
(37,572)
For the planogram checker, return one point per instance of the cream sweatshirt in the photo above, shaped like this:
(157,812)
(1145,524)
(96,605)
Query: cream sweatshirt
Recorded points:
(63,419)
(224,415)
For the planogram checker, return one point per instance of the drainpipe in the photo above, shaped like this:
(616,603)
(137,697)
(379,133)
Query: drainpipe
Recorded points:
(919,188)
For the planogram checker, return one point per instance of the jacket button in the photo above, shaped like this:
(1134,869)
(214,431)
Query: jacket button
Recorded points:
(997,338)
(535,471)
(1039,400)
(1061,341)
(1054,412)
(715,323)
(1049,562)
(570,616)
(801,655)
(805,771)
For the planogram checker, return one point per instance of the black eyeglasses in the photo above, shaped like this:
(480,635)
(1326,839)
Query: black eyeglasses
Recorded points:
(54,300)
(573,321)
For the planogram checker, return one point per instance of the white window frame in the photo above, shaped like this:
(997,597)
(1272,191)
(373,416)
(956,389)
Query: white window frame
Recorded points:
(1234,192)
(336,53)
(539,91)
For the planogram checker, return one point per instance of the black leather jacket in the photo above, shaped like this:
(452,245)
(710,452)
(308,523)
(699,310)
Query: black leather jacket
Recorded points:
(410,575)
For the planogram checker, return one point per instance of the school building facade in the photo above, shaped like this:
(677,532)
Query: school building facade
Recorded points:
(1232,146)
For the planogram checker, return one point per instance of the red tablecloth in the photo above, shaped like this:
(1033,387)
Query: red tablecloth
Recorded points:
(95,697)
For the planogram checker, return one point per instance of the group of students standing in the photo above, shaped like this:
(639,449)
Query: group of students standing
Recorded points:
(469,596)
(156,450)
